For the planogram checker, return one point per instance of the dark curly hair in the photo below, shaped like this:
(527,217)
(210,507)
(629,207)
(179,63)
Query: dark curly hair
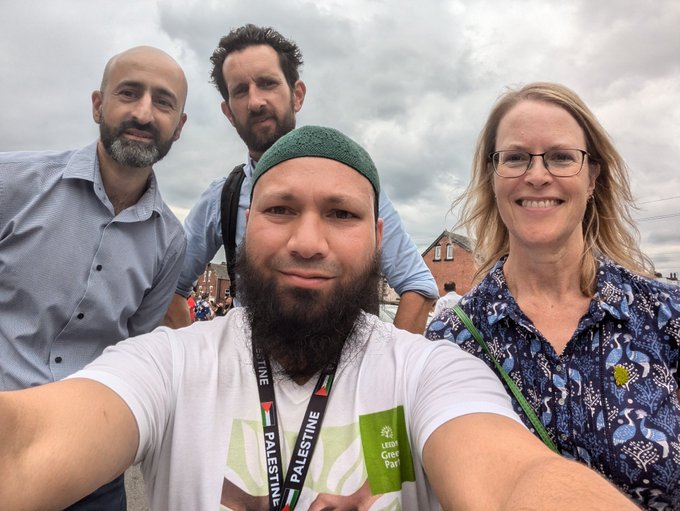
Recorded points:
(290,57)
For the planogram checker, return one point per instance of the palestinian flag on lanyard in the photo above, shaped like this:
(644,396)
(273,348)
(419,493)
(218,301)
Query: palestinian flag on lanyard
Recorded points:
(267,410)
(323,388)
(291,500)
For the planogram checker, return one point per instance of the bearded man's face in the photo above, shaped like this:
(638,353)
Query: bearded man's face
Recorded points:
(310,261)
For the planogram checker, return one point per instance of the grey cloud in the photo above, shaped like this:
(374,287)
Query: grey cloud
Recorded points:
(413,83)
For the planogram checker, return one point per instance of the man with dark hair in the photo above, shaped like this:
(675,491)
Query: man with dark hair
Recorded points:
(447,301)
(256,71)
(364,415)
(89,252)
(290,56)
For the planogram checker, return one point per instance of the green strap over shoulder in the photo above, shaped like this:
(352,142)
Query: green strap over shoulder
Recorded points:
(538,426)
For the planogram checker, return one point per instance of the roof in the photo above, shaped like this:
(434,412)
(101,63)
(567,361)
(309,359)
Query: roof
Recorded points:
(457,239)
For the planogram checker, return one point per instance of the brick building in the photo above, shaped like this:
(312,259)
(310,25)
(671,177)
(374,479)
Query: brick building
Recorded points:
(214,281)
(450,258)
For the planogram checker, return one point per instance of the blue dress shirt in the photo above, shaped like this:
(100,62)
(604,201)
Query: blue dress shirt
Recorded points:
(75,277)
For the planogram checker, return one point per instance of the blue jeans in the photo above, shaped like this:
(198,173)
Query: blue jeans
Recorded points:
(110,497)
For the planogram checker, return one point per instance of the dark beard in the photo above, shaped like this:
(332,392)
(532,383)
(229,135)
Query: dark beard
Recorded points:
(132,153)
(304,331)
(260,143)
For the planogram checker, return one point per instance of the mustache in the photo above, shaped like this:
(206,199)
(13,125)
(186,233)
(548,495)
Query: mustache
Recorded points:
(288,264)
(259,116)
(132,124)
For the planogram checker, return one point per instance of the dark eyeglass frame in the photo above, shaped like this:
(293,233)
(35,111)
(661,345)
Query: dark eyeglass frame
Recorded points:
(493,157)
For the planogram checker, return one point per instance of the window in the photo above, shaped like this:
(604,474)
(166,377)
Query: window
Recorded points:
(449,252)
(438,253)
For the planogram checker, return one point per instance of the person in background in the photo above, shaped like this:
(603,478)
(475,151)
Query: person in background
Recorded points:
(447,301)
(202,309)
(256,70)
(191,303)
(212,411)
(568,303)
(87,244)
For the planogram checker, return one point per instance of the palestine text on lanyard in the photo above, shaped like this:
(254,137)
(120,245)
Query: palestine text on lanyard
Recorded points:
(286,499)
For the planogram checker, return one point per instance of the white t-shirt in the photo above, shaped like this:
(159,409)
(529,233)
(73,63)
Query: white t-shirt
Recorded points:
(194,395)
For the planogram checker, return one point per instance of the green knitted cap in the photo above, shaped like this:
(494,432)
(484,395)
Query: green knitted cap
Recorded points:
(320,142)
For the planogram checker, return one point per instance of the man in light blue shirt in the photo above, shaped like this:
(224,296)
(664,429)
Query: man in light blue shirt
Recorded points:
(256,71)
(89,252)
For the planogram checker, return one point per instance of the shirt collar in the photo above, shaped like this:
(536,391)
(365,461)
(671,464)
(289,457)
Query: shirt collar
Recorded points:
(84,164)
(613,294)
(249,167)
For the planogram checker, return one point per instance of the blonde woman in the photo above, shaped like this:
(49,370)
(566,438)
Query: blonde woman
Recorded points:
(567,302)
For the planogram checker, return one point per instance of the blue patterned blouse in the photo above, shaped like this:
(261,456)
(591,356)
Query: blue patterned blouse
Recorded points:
(610,400)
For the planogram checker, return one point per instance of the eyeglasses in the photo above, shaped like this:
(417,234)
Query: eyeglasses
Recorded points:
(559,162)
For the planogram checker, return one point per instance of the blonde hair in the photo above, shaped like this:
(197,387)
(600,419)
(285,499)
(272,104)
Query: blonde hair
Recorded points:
(608,227)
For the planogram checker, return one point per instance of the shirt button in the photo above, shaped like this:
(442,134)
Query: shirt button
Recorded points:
(561,401)
(99,267)
(563,437)
(558,368)
(58,360)
(80,315)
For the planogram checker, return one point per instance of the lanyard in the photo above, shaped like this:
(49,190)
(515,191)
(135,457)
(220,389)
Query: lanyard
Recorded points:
(284,496)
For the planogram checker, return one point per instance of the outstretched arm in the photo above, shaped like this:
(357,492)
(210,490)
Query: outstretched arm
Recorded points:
(412,312)
(485,461)
(62,440)
(405,270)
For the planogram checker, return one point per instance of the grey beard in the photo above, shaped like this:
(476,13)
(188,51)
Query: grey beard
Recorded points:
(132,154)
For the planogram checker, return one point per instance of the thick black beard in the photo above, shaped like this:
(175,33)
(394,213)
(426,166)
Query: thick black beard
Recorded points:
(129,152)
(300,330)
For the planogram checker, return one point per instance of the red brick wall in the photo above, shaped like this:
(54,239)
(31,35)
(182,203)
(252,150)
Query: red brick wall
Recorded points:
(460,269)
(215,275)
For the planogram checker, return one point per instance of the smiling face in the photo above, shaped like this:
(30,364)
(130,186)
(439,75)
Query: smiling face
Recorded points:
(311,227)
(140,106)
(261,104)
(310,262)
(539,210)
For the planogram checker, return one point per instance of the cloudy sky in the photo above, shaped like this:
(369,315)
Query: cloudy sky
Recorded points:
(412,81)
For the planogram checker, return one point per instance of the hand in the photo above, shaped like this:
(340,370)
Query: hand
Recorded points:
(361,500)
(236,499)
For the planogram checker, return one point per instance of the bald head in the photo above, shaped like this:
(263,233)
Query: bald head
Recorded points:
(140,107)
(153,61)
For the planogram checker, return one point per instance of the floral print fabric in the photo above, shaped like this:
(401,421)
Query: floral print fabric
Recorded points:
(610,400)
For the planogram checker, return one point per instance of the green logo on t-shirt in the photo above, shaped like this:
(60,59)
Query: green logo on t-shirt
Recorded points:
(387,452)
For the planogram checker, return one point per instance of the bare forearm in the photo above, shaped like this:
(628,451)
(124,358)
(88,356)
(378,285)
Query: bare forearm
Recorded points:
(559,484)
(18,434)
(11,444)
(486,461)
(412,312)
(64,440)
(177,315)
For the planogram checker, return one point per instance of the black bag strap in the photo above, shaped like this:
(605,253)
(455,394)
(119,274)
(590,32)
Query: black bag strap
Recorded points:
(538,426)
(231,192)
